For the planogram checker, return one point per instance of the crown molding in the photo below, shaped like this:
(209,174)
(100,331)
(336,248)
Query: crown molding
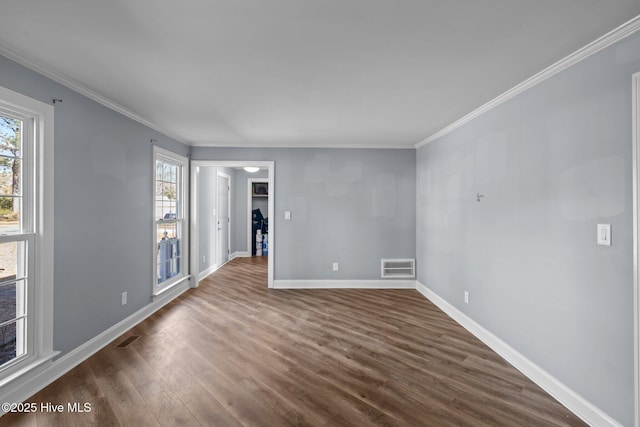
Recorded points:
(308,146)
(83,90)
(623,31)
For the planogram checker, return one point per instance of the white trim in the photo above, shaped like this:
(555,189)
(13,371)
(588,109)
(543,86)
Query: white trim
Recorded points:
(213,268)
(250,182)
(83,90)
(240,254)
(195,164)
(31,369)
(194,265)
(344,284)
(635,108)
(207,271)
(584,409)
(623,31)
(45,226)
(167,289)
(383,146)
(228,248)
(36,381)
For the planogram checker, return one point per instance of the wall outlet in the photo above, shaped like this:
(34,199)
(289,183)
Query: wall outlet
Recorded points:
(287,215)
(466,297)
(335,266)
(124,298)
(204,259)
(604,234)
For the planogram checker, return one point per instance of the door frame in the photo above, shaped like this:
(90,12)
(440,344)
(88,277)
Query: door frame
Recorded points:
(218,246)
(250,182)
(635,108)
(194,224)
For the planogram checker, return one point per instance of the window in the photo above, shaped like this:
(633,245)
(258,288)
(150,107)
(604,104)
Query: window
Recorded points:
(26,246)
(16,239)
(170,219)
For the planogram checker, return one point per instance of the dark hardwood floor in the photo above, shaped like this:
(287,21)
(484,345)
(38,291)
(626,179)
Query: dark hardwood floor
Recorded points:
(234,353)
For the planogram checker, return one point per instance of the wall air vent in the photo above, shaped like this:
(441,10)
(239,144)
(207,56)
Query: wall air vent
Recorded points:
(398,268)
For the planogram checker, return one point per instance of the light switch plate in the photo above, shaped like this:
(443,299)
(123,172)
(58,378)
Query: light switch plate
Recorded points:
(287,215)
(604,234)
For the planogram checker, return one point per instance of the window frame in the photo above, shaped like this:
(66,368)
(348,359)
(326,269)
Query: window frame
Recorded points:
(182,220)
(37,222)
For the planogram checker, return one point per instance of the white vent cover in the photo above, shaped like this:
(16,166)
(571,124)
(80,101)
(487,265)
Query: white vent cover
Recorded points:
(398,268)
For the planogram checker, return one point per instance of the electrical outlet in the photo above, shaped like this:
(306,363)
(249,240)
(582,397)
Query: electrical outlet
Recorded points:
(287,215)
(204,259)
(124,298)
(604,234)
(466,297)
(335,266)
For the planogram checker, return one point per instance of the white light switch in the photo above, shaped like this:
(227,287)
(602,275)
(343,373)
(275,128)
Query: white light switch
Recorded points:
(604,234)
(287,215)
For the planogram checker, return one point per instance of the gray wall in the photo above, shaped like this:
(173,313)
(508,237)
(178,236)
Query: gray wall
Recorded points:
(552,163)
(348,206)
(103,209)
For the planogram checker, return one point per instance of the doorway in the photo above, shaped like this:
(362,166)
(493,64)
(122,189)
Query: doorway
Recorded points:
(257,222)
(201,212)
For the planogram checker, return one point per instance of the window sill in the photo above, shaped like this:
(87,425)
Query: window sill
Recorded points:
(159,293)
(29,367)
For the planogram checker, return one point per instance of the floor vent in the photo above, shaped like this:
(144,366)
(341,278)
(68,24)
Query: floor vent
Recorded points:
(398,268)
(128,341)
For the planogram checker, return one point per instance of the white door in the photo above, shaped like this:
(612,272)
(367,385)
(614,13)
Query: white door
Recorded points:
(223,218)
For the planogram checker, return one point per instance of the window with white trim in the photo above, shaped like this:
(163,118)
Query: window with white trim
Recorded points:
(26,226)
(170,211)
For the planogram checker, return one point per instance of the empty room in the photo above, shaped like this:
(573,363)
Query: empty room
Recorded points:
(271,213)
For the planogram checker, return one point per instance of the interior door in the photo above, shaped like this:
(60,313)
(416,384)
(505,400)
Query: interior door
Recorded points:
(223,218)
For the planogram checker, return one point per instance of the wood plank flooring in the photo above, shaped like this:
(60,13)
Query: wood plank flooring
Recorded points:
(234,353)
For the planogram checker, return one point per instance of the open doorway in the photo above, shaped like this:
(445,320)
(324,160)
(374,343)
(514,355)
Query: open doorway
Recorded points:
(258,215)
(207,217)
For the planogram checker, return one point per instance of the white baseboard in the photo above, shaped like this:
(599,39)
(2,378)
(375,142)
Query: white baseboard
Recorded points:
(344,284)
(584,409)
(240,254)
(35,381)
(204,273)
(212,268)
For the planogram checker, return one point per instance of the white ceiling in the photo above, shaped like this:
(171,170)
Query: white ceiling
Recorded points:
(353,73)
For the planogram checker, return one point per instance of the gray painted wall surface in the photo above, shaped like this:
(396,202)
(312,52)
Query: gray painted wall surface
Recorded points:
(103,209)
(551,163)
(348,206)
